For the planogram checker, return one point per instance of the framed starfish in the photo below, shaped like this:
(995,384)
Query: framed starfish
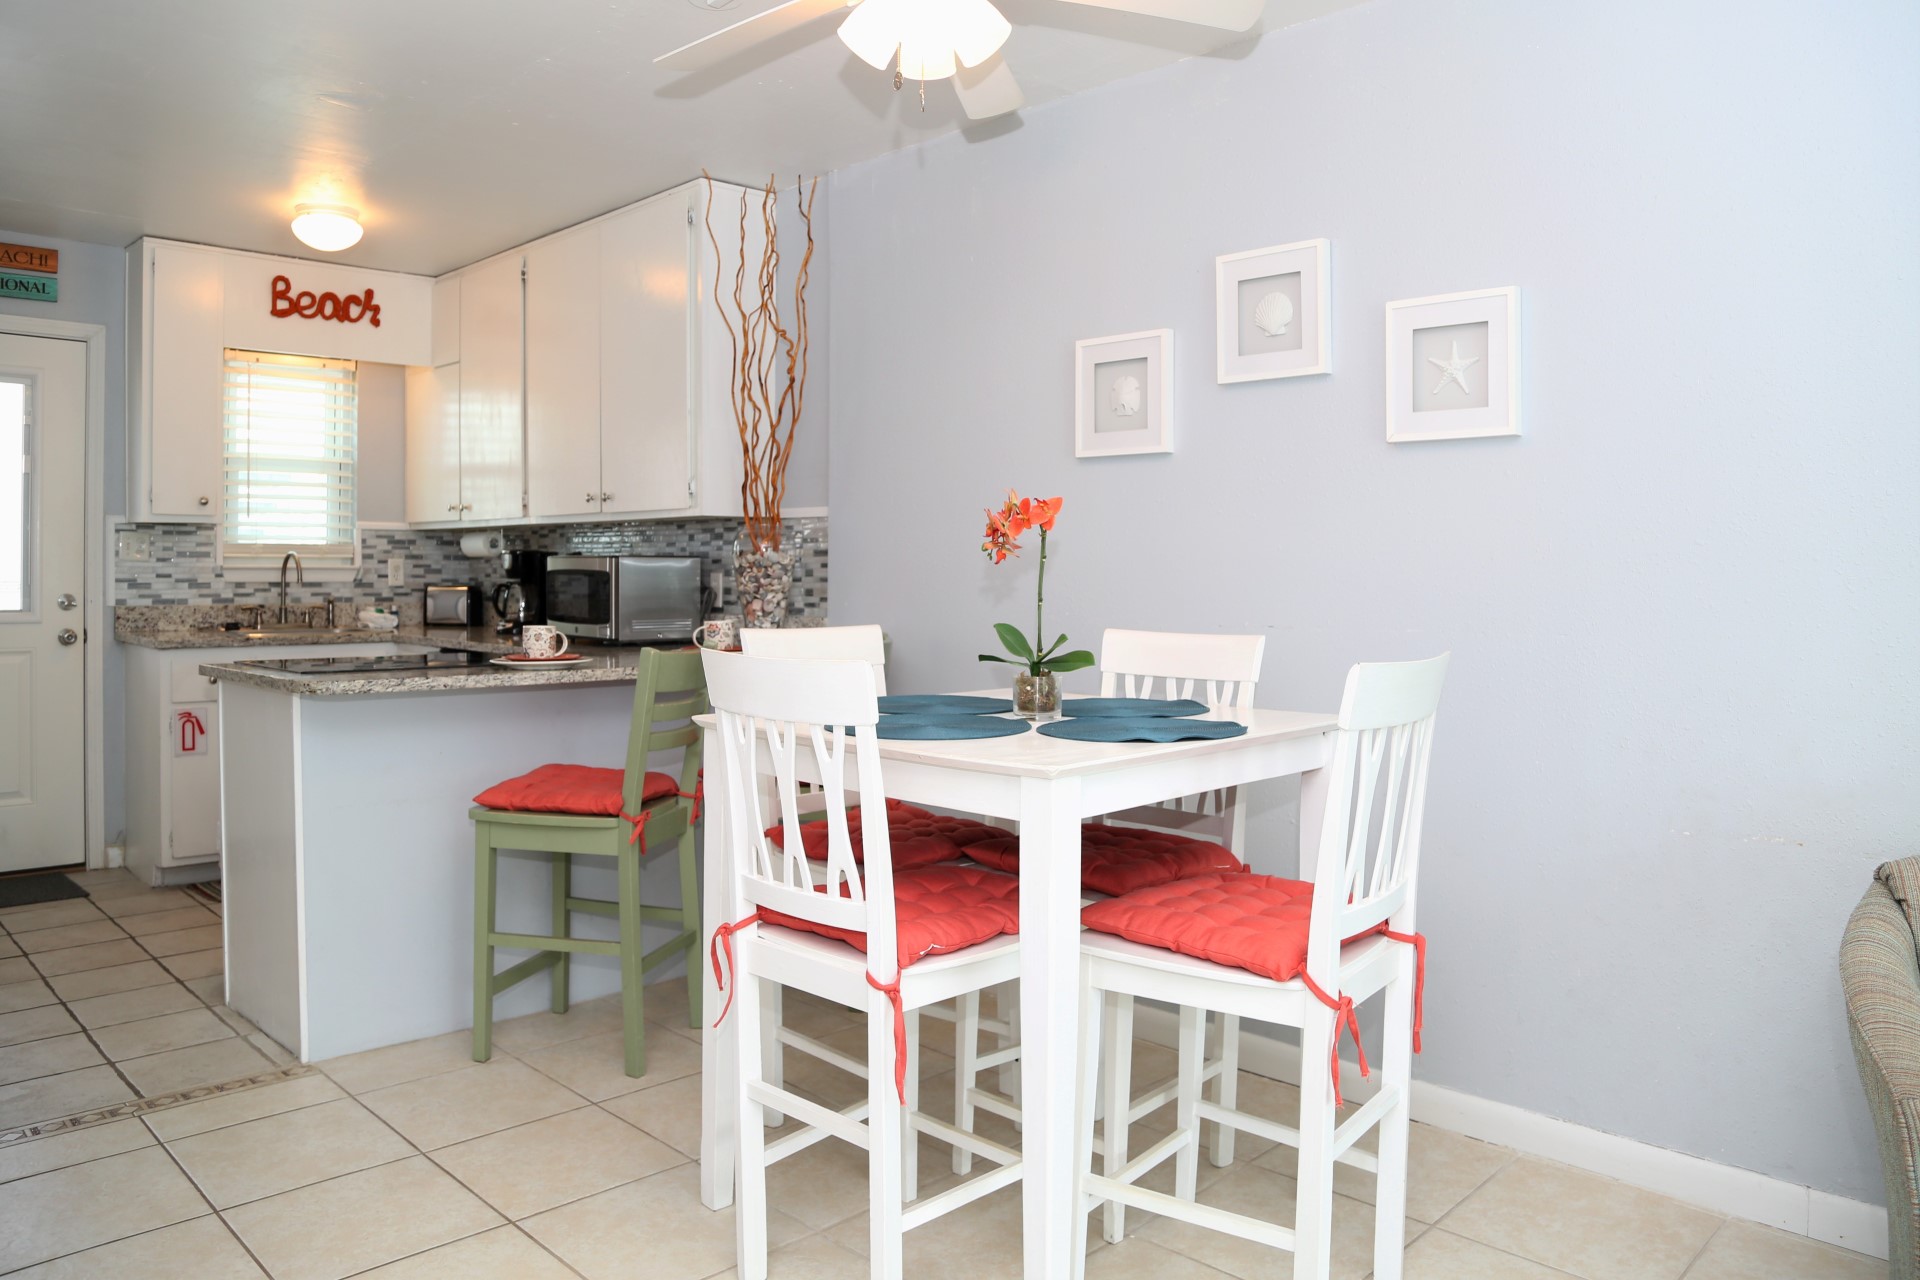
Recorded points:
(1454,370)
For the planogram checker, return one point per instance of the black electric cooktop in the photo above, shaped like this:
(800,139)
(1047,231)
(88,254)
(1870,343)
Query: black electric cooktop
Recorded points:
(446,662)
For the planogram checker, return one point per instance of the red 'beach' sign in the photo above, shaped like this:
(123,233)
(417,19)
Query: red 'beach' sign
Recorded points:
(308,305)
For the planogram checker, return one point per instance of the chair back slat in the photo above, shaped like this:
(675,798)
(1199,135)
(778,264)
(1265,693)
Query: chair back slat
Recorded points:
(1369,849)
(867,643)
(793,721)
(669,691)
(1219,670)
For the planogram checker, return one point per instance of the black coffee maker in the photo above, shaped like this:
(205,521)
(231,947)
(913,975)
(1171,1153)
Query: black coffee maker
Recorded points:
(522,598)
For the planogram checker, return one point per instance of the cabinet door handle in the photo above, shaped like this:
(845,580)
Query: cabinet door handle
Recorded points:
(206,502)
(453,506)
(606,497)
(589,498)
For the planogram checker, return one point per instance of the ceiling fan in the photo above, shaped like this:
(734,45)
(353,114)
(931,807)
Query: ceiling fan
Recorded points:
(936,39)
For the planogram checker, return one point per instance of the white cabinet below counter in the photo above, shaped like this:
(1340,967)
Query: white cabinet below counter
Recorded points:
(173,754)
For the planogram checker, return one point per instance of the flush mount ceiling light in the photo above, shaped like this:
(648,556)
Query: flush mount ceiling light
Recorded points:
(326,227)
(935,39)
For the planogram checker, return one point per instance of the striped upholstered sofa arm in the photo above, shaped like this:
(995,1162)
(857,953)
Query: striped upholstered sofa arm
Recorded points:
(1880,976)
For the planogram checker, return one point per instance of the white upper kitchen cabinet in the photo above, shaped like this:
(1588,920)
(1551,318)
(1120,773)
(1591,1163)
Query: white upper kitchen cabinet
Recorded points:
(492,401)
(176,361)
(645,357)
(433,443)
(563,374)
(187,304)
(445,343)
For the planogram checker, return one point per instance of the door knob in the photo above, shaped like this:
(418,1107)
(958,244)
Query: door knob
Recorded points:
(68,636)
(67,601)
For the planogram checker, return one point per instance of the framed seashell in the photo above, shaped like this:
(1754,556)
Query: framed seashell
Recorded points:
(1274,314)
(1127,396)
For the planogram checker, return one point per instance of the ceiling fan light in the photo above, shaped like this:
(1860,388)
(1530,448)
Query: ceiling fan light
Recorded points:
(872,31)
(326,227)
(977,30)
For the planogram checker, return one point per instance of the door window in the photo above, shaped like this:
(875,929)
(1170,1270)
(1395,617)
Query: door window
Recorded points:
(14,473)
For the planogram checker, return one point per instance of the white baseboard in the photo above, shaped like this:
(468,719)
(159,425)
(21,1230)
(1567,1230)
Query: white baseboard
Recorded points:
(1737,1193)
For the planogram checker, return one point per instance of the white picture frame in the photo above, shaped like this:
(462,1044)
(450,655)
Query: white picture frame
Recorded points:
(1123,394)
(1273,312)
(1453,366)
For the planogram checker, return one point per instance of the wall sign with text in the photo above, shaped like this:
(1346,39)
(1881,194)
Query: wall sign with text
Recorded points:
(308,305)
(29,271)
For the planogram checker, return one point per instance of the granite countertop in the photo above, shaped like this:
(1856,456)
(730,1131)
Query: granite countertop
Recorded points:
(604,665)
(477,639)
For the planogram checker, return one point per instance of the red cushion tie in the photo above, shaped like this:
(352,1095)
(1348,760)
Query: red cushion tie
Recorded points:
(723,940)
(1418,941)
(696,795)
(892,992)
(1344,1018)
(639,835)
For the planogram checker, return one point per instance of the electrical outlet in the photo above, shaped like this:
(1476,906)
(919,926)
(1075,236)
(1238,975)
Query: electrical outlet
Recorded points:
(134,546)
(717,581)
(397,571)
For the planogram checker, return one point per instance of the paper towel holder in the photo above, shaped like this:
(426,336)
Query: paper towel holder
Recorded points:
(482,546)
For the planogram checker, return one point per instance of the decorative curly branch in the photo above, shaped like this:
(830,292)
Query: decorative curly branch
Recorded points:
(766,398)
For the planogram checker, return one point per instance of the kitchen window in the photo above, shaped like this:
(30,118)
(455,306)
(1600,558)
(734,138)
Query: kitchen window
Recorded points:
(291,432)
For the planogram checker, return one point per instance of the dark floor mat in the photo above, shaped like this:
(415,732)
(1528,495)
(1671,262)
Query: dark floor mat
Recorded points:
(23,891)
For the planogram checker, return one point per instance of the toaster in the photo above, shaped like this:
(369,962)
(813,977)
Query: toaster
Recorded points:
(454,606)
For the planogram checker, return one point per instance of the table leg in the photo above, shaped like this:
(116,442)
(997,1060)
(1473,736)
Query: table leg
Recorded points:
(1313,815)
(719,1063)
(1049,1018)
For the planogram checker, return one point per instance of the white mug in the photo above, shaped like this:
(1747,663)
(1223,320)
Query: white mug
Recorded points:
(543,642)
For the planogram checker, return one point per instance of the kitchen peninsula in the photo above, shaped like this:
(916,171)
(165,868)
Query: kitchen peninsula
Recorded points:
(348,860)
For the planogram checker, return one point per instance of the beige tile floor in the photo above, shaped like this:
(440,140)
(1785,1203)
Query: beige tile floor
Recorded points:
(415,1163)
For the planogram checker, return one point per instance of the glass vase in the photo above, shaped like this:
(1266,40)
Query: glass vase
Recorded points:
(1036,697)
(763,580)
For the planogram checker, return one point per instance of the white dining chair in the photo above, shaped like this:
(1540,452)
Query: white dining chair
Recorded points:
(849,929)
(1223,672)
(864,643)
(1312,953)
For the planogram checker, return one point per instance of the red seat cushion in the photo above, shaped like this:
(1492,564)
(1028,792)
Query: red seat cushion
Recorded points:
(572,788)
(936,910)
(1256,923)
(919,838)
(1117,860)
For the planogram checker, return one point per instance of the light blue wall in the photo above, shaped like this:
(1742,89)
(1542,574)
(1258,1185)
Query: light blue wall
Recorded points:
(1680,727)
(93,290)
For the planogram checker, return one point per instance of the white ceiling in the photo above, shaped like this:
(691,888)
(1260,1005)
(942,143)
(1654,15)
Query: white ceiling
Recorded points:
(462,127)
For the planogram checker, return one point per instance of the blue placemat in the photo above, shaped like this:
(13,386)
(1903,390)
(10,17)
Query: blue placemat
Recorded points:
(935,728)
(1132,708)
(1141,729)
(942,704)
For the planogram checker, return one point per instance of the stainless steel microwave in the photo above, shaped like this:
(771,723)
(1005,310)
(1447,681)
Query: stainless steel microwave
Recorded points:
(625,599)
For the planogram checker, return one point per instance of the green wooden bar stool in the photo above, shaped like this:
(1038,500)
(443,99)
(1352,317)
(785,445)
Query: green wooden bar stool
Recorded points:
(568,810)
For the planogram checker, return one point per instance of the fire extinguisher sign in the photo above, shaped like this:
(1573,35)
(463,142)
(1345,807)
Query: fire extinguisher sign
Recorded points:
(189,734)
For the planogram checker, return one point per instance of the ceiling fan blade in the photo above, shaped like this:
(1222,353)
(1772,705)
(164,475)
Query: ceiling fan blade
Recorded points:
(988,90)
(1228,15)
(743,35)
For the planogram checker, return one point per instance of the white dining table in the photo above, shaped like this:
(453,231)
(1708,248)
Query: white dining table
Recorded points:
(1049,786)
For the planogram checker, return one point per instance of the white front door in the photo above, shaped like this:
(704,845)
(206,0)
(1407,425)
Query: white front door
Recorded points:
(43,402)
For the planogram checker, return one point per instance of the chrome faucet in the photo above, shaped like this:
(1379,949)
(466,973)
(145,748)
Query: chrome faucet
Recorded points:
(300,576)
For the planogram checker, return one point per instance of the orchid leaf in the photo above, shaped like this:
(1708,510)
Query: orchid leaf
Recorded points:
(1074,661)
(1052,648)
(1016,643)
(1012,662)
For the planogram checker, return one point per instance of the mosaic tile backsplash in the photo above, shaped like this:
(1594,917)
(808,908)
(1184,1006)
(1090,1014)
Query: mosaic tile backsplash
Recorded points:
(182,569)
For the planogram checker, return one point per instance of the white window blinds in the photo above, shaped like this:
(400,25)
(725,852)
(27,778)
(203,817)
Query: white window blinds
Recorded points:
(291,428)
